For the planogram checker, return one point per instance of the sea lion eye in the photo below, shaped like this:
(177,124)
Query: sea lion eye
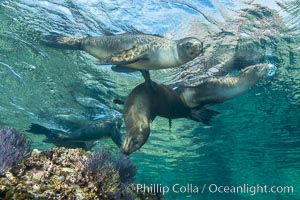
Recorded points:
(134,141)
(188,45)
(256,69)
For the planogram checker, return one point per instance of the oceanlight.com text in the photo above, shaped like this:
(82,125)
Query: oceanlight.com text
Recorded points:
(247,189)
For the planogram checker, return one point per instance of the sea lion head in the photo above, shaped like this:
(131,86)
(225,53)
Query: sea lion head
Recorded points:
(254,72)
(136,137)
(189,48)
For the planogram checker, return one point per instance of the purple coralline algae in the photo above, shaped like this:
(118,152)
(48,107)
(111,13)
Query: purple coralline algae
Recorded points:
(103,164)
(14,147)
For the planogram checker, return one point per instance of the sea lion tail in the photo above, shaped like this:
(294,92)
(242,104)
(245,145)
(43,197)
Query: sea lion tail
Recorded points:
(62,42)
(203,115)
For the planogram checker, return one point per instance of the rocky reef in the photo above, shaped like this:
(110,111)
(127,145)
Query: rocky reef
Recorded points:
(60,173)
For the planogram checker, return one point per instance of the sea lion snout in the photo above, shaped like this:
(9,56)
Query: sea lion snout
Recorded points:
(130,145)
(189,48)
(136,137)
(197,47)
(258,70)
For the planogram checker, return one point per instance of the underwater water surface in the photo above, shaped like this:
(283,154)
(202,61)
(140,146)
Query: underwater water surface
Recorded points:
(254,141)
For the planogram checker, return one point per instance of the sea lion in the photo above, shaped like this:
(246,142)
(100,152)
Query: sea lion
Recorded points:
(217,90)
(144,103)
(138,51)
(91,131)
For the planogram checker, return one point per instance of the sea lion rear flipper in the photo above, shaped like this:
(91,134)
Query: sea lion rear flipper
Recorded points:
(38,129)
(62,42)
(203,115)
(127,56)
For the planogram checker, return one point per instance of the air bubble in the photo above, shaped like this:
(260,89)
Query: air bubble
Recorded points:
(271,70)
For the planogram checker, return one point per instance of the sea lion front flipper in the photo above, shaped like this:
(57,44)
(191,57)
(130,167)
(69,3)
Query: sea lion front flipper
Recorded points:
(120,100)
(146,76)
(203,115)
(53,138)
(123,69)
(148,82)
(47,141)
(127,56)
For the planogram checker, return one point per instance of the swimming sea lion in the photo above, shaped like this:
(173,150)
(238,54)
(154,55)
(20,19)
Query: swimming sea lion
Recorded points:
(139,51)
(217,90)
(53,137)
(94,130)
(144,103)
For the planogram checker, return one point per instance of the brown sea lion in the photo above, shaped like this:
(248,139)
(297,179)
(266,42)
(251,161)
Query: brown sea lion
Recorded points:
(144,103)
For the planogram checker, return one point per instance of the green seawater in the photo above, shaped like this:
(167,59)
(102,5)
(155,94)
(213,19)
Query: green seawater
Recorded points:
(251,146)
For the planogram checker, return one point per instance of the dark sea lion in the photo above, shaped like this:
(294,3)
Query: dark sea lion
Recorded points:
(138,51)
(144,103)
(53,137)
(81,137)
(217,90)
